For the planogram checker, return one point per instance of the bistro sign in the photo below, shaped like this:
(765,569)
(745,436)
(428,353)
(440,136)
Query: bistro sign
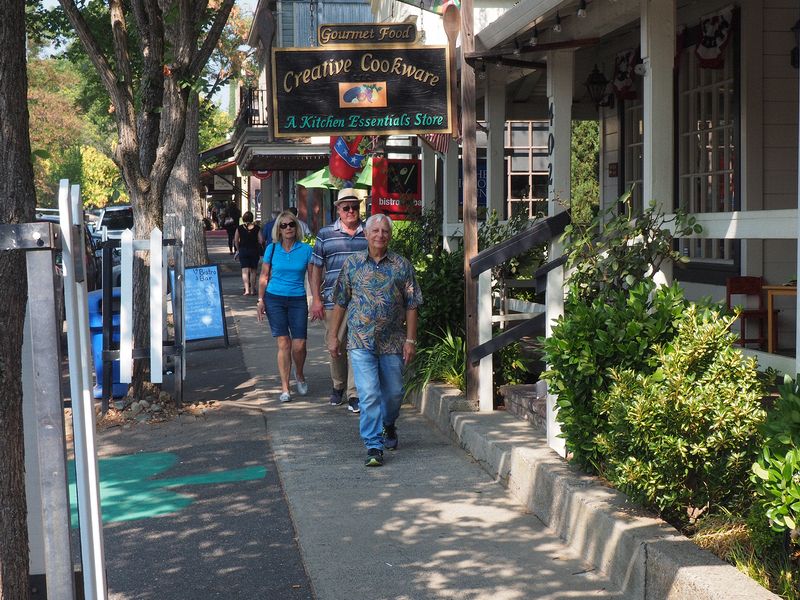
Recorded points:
(344,90)
(367,33)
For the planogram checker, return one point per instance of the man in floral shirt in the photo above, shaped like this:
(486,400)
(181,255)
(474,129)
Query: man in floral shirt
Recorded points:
(378,292)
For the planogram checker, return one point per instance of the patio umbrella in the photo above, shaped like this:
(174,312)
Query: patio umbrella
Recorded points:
(364,179)
(318,179)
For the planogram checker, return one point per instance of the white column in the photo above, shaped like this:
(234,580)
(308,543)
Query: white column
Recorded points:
(658,57)
(560,68)
(450,199)
(126,308)
(428,177)
(485,378)
(156,307)
(495,147)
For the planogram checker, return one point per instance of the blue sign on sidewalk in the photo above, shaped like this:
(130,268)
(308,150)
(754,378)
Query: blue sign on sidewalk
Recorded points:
(203,305)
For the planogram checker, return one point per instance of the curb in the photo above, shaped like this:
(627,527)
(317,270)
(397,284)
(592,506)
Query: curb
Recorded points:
(643,556)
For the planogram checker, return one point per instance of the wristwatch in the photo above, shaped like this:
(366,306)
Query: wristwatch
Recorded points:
(410,341)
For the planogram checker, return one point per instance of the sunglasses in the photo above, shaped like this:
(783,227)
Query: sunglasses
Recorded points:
(349,207)
(285,225)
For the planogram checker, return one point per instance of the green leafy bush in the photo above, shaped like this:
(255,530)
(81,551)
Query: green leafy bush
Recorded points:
(441,279)
(776,473)
(444,360)
(617,331)
(681,437)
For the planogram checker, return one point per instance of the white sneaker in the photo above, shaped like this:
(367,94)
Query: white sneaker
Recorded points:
(285,397)
(302,388)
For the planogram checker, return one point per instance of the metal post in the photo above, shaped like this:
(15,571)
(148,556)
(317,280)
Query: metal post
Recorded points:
(49,410)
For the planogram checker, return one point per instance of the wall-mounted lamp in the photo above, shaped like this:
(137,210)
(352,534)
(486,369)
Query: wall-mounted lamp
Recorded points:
(596,85)
(795,56)
(582,9)
(534,37)
(557,26)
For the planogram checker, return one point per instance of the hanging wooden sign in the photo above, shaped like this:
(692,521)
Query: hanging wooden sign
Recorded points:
(345,90)
(367,33)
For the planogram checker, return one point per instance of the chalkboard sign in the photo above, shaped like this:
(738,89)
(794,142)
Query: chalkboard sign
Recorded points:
(203,307)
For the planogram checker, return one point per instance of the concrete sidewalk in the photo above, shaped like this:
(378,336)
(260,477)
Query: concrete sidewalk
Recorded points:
(430,524)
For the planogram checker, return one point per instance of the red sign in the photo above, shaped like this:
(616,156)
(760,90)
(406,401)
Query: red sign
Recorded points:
(262,174)
(397,187)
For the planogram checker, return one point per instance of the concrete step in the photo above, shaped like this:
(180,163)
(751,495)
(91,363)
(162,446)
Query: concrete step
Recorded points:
(527,402)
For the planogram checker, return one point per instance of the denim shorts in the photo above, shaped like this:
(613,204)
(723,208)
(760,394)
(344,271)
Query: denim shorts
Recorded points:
(288,315)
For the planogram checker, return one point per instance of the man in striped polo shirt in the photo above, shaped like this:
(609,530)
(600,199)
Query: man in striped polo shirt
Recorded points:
(334,244)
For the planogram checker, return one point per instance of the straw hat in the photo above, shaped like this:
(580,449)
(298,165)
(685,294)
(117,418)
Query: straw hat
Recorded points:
(346,195)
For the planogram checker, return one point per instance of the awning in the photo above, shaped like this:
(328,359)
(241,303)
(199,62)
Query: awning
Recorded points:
(217,154)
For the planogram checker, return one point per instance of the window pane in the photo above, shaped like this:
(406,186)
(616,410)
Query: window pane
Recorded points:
(519,134)
(520,161)
(520,187)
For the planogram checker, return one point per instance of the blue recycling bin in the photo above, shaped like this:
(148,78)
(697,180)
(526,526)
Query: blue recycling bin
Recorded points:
(118,390)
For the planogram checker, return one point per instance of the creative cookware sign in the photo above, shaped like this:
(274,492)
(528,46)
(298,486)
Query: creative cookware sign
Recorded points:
(342,90)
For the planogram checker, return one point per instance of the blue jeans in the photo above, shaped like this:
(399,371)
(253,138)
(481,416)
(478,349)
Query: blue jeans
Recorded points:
(379,381)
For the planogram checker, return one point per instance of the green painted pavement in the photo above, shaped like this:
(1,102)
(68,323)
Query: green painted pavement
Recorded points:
(128,490)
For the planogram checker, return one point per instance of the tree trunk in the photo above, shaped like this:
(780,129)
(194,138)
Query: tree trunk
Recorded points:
(183,202)
(17,202)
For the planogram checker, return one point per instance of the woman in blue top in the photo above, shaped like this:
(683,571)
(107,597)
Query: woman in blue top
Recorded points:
(282,296)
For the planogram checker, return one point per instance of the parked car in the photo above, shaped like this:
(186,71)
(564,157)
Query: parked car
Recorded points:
(115,220)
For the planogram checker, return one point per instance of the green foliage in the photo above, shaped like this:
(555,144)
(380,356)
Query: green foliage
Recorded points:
(776,473)
(416,238)
(101,182)
(440,275)
(615,251)
(492,232)
(511,366)
(593,339)
(681,437)
(441,279)
(613,319)
(585,170)
(444,360)
(766,541)
(214,125)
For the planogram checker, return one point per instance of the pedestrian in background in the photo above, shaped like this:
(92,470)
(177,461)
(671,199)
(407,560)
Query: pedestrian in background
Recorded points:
(334,244)
(231,222)
(303,225)
(282,297)
(247,245)
(378,294)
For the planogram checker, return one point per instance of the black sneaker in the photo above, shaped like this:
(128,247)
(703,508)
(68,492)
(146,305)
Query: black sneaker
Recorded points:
(337,397)
(374,458)
(389,436)
(352,405)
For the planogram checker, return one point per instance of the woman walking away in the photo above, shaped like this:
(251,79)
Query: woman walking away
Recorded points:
(282,296)
(231,222)
(247,244)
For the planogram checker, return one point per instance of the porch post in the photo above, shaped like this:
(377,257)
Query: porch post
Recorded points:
(450,199)
(658,57)
(428,177)
(560,67)
(495,147)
